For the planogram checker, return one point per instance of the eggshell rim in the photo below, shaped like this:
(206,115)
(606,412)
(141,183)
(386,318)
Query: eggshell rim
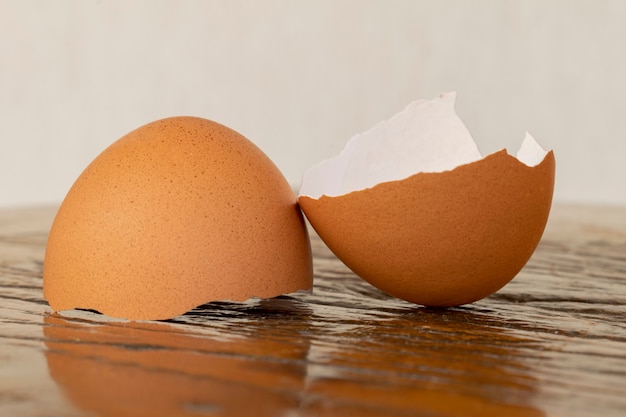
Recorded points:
(501,151)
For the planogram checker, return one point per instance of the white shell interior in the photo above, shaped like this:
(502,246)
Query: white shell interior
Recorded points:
(427,136)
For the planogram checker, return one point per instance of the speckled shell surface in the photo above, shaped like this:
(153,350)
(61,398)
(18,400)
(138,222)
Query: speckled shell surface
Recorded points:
(445,238)
(177,213)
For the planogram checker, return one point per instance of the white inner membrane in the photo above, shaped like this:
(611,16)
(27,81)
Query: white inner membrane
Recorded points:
(427,136)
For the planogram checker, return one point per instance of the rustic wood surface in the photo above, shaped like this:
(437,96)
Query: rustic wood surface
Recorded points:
(551,343)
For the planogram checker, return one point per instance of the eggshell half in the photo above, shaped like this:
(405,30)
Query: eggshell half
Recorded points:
(441,238)
(177,213)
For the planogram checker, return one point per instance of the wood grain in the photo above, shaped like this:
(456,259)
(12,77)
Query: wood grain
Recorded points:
(551,343)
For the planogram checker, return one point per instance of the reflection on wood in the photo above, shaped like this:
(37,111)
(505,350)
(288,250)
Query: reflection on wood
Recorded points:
(154,369)
(550,343)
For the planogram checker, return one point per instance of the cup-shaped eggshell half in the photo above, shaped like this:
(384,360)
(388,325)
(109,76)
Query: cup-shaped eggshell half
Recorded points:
(412,207)
(443,238)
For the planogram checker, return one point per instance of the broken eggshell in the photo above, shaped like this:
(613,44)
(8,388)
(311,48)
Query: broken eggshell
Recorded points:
(413,208)
(177,213)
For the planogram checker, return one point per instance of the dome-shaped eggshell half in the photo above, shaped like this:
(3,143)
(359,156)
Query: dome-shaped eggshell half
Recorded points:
(179,212)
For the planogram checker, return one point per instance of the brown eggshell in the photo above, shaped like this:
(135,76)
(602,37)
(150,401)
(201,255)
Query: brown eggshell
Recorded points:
(179,212)
(442,238)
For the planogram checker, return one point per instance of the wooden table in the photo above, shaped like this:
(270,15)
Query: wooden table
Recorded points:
(551,343)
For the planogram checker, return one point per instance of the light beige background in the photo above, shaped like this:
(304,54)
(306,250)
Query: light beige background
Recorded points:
(298,78)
